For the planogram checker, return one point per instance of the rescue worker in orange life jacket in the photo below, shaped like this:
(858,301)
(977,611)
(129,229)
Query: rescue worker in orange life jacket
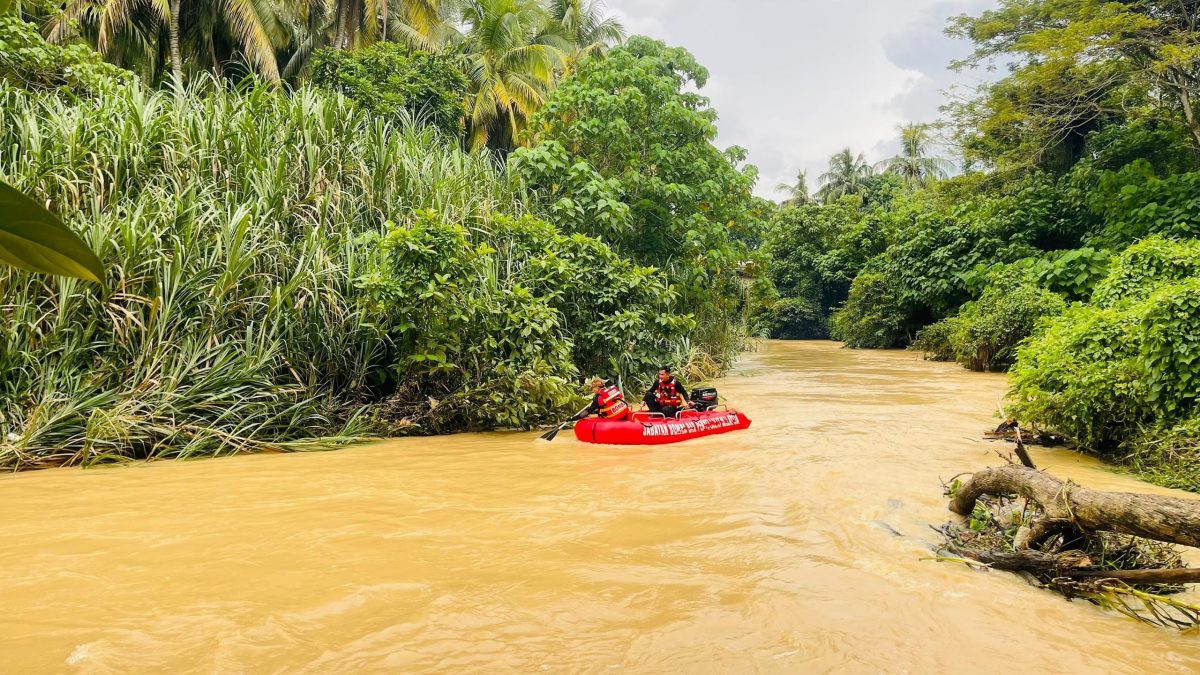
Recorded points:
(608,402)
(667,396)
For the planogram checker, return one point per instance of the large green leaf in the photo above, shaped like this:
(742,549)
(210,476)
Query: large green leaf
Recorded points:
(33,239)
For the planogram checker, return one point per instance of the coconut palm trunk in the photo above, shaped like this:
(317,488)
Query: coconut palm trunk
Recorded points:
(173,38)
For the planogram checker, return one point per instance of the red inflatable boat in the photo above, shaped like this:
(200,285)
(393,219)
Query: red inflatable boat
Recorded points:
(654,429)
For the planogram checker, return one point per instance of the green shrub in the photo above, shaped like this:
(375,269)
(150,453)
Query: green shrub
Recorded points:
(1106,373)
(29,62)
(986,332)
(872,316)
(938,341)
(396,84)
(792,319)
(1083,377)
(484,348)
(492,330)
(1141,268)
(573,195)
(1073,273)
(1170,348)
(1134,203)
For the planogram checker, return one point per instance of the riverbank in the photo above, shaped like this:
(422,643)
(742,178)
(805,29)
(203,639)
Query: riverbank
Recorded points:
(796,545)
(285,270)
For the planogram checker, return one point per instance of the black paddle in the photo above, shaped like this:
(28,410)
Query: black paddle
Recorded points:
(549,435)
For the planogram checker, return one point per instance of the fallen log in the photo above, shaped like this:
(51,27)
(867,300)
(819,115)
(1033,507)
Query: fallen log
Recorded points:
(1027,561)
(1170,519)
(1167,577)
(1077,566)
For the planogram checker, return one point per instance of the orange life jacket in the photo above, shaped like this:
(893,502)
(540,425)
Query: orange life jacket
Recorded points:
(666,394)
(612,403)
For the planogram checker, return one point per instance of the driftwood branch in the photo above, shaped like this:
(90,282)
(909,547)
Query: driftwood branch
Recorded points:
(1170,519)
(1074,565)
(1028,561)
(1170,576)
(1039,531)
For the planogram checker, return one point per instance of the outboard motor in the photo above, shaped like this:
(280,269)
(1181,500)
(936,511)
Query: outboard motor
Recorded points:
(704,398)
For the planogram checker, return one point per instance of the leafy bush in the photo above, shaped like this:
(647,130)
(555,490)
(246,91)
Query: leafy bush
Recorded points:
(485,349)
(1122,371)
(872,316)
(939,341)
(28,61)
(929,251)
(394,83)
(792,319)
(1083,377)
(1136,273)
(574,195)
(986,332)
(488,329)
(1074,273)
(1135,203)
(1170,348)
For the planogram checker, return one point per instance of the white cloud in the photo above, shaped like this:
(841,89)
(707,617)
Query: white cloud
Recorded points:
(796,81)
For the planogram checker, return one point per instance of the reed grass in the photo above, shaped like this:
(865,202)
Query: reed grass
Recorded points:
(232,226)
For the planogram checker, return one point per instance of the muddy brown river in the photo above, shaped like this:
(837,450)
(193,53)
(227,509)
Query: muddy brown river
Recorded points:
(795,546)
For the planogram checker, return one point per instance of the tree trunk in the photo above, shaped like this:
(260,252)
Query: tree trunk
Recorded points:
(343,10)
(1170,519)
(1189,113)
(383,11)
(173,38)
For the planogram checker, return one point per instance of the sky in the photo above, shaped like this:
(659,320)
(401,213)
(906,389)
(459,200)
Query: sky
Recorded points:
(795,81)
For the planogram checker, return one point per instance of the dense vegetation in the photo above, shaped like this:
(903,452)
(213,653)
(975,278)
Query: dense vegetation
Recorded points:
(1064,249)
(511,53)
(294,266)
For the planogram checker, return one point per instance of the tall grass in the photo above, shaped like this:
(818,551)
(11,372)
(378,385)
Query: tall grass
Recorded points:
(232,226)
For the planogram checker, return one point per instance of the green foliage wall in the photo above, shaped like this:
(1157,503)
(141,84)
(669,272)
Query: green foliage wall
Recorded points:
(622,150)
(984,335)
(814,251)
(395,83)
(257,296)
(872,316)
(497,331)
(1109,372)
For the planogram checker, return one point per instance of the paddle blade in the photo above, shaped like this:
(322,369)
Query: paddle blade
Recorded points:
(549,435)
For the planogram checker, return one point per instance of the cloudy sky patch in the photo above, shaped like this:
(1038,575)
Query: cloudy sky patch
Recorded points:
(796,81)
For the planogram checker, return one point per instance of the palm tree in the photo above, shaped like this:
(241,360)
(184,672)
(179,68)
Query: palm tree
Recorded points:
(583,24)
(129,33)
(797,194)
(913,164)
(348,24)
(358,22)
(510,58)
(421,24)
(847,175)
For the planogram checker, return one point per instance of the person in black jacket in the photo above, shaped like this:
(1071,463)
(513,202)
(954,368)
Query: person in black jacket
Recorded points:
(667,396)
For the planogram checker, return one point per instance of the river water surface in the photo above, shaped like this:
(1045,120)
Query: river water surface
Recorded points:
(795,546)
